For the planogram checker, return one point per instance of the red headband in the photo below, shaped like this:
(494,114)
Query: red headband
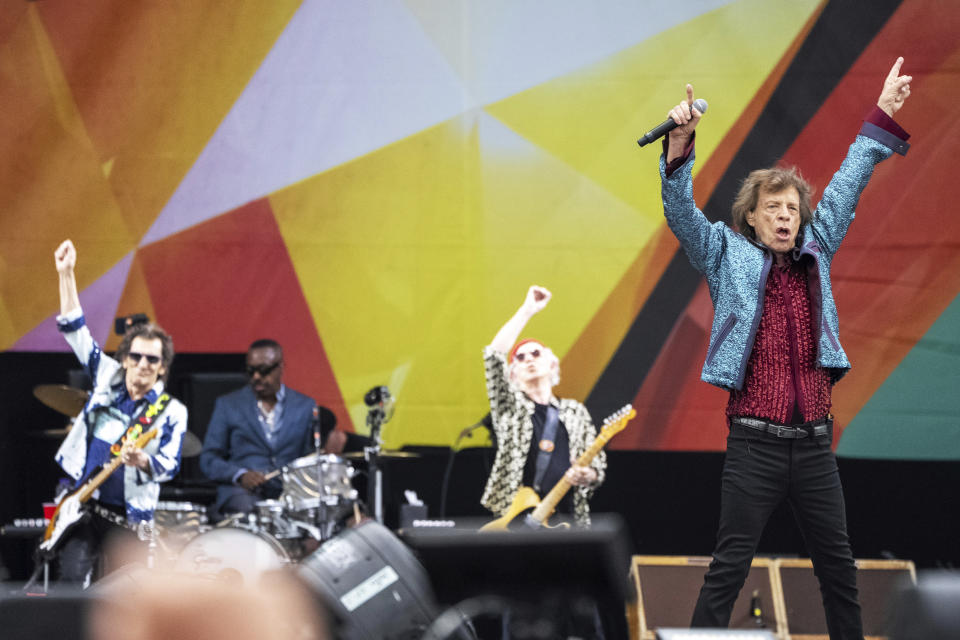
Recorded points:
(513,352)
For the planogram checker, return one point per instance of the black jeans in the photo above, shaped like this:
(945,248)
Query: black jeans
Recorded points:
(759,472)
(81,559)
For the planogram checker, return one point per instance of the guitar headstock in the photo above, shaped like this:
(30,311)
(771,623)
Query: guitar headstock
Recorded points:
(616,422)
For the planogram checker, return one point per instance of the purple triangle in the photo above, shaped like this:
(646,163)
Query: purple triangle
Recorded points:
(99,302)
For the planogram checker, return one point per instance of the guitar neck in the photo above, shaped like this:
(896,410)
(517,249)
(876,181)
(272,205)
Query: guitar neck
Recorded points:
(94,483)
(552,499)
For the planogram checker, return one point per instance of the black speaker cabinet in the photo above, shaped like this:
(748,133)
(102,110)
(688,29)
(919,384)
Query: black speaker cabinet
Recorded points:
(667,588)
(877,581)
(371,584)
(60,617)
(526,564)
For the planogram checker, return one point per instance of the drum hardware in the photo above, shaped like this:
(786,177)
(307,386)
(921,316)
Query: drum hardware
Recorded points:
(313,532)
(175,524)
(317,494)
(271,518)
(147,532)
(386,453)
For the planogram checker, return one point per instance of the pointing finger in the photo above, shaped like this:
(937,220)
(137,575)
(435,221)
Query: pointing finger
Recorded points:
(689,94)
(895,70)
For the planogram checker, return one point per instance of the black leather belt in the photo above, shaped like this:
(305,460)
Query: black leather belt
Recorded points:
(815,429)
(109,515)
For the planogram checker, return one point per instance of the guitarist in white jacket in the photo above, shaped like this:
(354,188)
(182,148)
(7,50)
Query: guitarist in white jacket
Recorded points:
(127,401)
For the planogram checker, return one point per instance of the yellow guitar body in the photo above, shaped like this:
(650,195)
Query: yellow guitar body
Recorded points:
(526,498)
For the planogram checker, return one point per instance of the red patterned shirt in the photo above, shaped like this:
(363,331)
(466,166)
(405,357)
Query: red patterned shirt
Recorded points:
(782,382)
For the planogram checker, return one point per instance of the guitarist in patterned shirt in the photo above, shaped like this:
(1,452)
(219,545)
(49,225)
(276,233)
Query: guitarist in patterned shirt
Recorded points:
(539,435)
(127,402)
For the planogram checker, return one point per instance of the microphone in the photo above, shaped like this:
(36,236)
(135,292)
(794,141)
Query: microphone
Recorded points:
(376,395)
(669,125)
(486,421)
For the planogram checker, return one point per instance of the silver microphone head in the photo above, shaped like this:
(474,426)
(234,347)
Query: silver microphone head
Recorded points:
(700,105)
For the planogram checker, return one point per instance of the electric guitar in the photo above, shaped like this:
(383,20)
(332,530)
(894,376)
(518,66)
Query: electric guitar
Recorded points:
(70,511)
(526,498)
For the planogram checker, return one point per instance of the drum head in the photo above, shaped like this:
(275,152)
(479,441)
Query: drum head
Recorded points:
(232,554)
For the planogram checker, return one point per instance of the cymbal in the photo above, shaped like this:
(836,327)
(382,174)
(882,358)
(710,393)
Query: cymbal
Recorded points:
(191,445)
(59,397)
(382,454)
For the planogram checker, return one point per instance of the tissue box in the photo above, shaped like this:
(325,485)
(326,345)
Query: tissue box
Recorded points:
(411,512)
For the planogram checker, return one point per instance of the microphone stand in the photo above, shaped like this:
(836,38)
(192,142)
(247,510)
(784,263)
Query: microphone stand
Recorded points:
(466,433)
(371,454)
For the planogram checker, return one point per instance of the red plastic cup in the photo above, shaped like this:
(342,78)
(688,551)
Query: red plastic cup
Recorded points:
(48,509)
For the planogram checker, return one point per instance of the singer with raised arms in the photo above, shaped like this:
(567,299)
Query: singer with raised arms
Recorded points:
(775,346)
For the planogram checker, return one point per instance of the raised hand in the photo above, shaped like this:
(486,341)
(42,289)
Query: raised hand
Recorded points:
(65,257)
(537,299)
(685,115)
(896,89)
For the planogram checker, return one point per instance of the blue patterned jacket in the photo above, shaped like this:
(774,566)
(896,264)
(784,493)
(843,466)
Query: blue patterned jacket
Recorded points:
(736,267)
(100,419)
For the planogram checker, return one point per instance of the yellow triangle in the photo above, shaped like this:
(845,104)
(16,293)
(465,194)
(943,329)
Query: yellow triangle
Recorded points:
(412,257)
(591,119)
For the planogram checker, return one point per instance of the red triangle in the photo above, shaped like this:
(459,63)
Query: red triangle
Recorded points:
(222,284)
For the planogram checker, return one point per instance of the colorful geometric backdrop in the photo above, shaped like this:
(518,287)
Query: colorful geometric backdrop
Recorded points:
(376,183)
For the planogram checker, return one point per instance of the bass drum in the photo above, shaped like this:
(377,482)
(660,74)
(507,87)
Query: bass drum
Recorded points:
(233,555)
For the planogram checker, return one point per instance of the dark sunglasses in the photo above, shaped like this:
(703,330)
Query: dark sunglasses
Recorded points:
(136,357)
(263,370)
(533,353)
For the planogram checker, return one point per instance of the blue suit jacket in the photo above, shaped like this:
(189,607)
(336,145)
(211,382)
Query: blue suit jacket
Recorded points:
(235,440)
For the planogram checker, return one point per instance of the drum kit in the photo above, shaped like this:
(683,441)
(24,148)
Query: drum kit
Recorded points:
(317,502)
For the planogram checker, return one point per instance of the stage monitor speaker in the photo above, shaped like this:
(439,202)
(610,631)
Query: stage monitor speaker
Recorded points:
(928,609)
(51,617)
(668,586)
(371,585)
(877,582)
(719,634)
(525,564)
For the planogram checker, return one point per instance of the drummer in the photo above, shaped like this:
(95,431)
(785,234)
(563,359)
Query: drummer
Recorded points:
(259,428)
